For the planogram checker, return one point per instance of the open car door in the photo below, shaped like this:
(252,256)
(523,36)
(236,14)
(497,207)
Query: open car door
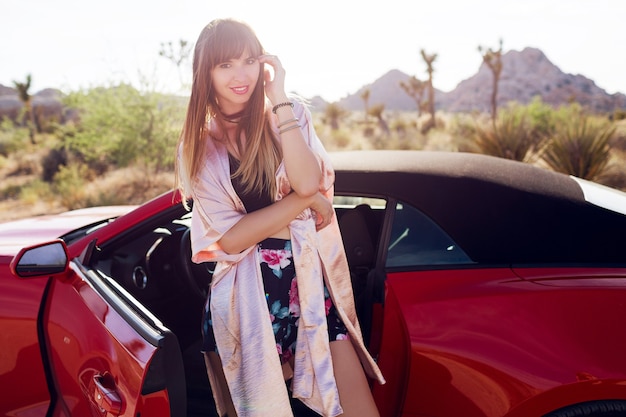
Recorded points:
(105,354)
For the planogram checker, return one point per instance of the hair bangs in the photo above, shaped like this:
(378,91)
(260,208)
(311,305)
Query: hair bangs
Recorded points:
(231,40)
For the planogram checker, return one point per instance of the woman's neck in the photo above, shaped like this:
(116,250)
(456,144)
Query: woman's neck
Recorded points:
(233,118)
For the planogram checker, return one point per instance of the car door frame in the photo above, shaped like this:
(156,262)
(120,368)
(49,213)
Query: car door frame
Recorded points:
(158,394)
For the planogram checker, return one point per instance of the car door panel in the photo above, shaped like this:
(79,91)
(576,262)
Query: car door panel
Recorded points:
(393,358)
(21,368)
(106,355)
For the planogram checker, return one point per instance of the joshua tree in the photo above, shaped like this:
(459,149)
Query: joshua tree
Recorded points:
(28,115)
(365,95)
(377,112)
(415,89)
(493,59)
(177,55)
(429,59)
(333,114)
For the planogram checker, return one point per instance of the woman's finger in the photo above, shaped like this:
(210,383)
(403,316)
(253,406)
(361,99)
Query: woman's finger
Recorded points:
(270,59)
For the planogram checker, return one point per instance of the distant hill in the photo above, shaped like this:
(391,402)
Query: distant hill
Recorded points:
(525,74)
(46,103)
(384,90)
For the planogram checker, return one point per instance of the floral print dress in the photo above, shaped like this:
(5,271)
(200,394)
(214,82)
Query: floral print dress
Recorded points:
(281,294)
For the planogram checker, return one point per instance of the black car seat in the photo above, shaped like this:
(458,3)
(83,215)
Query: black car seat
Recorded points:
(361,255)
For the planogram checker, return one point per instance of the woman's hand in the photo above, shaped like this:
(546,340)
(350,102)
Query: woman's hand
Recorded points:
(323,209)
(274,80)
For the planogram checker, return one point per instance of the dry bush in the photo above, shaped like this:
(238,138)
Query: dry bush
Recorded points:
(398,142)
(10,191)
(36,191)
(401,126)
(580,147)
(618,141)
(30,198)
(349,136)
(26,163)
(340,139)
(511,136)
(441,140)
(129,185)
(614,177)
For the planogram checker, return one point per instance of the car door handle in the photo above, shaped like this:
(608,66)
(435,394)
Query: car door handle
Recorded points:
(105,396)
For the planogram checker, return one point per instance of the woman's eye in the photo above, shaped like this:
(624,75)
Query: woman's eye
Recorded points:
(251,61)
(224,65)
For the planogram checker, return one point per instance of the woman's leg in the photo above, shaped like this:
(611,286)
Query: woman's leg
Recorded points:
(213,362)
(354,391)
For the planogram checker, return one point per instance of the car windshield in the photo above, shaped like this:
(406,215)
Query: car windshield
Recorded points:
(603,196)
(85,230)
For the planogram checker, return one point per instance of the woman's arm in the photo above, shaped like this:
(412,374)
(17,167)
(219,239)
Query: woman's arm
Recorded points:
(261,224)
(301,165)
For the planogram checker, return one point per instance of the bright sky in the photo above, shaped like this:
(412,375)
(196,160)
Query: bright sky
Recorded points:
(328,47)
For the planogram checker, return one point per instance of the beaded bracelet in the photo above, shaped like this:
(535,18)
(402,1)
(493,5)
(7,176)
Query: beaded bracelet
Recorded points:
(295,119)
(279,105)
(287,129)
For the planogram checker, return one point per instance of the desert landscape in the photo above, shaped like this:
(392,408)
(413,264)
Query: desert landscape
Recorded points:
(114,144)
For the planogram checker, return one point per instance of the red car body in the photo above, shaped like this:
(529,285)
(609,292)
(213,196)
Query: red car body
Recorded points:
(485,287)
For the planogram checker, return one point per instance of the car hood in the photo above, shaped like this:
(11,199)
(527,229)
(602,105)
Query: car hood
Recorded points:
(17,234)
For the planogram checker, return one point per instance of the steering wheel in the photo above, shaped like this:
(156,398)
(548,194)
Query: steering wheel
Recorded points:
(197,276)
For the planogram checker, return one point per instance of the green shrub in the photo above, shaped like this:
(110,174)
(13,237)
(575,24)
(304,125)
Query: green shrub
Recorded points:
(542,118)
(36,191)
(10,192)
(120,126)
(69,184)
(12,138)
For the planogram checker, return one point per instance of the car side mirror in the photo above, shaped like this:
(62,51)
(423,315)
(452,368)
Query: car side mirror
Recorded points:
(45,259)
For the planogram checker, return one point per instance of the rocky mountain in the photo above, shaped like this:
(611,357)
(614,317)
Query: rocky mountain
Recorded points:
(525,74)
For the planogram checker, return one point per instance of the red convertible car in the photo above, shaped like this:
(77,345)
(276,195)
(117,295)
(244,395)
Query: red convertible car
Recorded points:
(485,288)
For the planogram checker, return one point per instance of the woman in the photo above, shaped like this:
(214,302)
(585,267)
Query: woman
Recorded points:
(262,188)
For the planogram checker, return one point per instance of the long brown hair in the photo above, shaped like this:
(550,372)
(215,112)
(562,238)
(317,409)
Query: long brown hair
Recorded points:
(220,41)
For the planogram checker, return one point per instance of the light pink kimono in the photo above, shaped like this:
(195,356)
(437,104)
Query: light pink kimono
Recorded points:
(240,316)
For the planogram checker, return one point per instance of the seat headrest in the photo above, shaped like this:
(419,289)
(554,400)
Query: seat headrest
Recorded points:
(356,238)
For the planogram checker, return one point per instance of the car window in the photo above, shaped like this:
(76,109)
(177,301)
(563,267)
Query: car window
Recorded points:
(417,241)
(350,201)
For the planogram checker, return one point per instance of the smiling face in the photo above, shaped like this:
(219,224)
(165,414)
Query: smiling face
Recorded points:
(227,75)
(234,81)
